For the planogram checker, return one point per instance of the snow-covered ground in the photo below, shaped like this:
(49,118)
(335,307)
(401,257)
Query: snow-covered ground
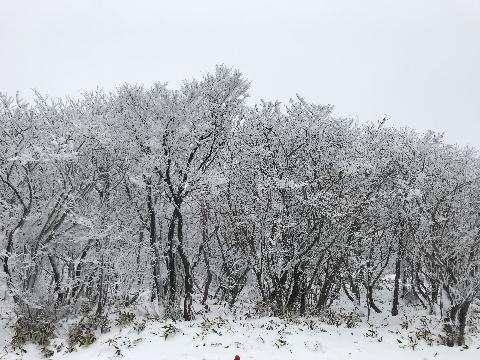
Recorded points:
(213,338)
(221,334)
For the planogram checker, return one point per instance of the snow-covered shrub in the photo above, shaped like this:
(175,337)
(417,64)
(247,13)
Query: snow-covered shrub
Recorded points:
(39,330)
(125,318)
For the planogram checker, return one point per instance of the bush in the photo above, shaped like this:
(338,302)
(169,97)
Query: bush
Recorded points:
(337,318)
(139,326)
(38,331)
(82,334)
(169,330)
(352,320)
(422,333)
(125,318)
(213,325)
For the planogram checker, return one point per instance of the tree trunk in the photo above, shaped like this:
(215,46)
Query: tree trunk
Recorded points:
(354,288)
(324,293)
(57,280)
(100,289)
(206,253)
(207,286)
(238,287)
(396,287)
(187,304)
(456,323)
(170,264)
(152,229)
(370,300)
(303,295)
(297,273)
(462,322)
(435,291)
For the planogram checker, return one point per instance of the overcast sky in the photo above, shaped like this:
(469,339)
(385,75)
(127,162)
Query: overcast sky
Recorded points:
(418,61)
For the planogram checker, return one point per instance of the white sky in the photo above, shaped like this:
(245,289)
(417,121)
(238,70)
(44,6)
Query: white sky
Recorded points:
(418,61)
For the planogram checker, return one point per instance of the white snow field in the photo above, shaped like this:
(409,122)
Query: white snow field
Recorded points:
(215,335)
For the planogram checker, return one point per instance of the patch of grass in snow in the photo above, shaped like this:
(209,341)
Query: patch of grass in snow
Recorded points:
(280,342)
(39,331)
(125,318)
(169,330)
(338,318)
(83,332)
(212,325)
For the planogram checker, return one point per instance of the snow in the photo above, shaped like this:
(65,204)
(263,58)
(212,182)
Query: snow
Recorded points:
(221,333)
(212,337)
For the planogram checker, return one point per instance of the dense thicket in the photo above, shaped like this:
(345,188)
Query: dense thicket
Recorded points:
(156,196)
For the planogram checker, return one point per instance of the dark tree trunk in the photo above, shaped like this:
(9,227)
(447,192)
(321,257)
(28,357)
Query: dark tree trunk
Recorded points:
(421,289)
(345,290)
(456,323)
(354,288)
(370,300)
(78,273)
(237,289)
(187,303)
(398,267)
(324,293)
(100,290)
(462,323)
(206,253)
(396,287)
(57,280)
(435,291)
(152,229)
(303,295)
(295,288)
(404,282)
(208,281)
(170,264)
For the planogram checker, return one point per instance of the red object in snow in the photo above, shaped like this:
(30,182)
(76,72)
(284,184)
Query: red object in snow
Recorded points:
(237,357)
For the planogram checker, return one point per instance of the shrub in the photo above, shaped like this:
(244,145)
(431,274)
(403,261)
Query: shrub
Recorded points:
(169,330)
(337,318)
(38,331)
(125,318)
(82,334)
